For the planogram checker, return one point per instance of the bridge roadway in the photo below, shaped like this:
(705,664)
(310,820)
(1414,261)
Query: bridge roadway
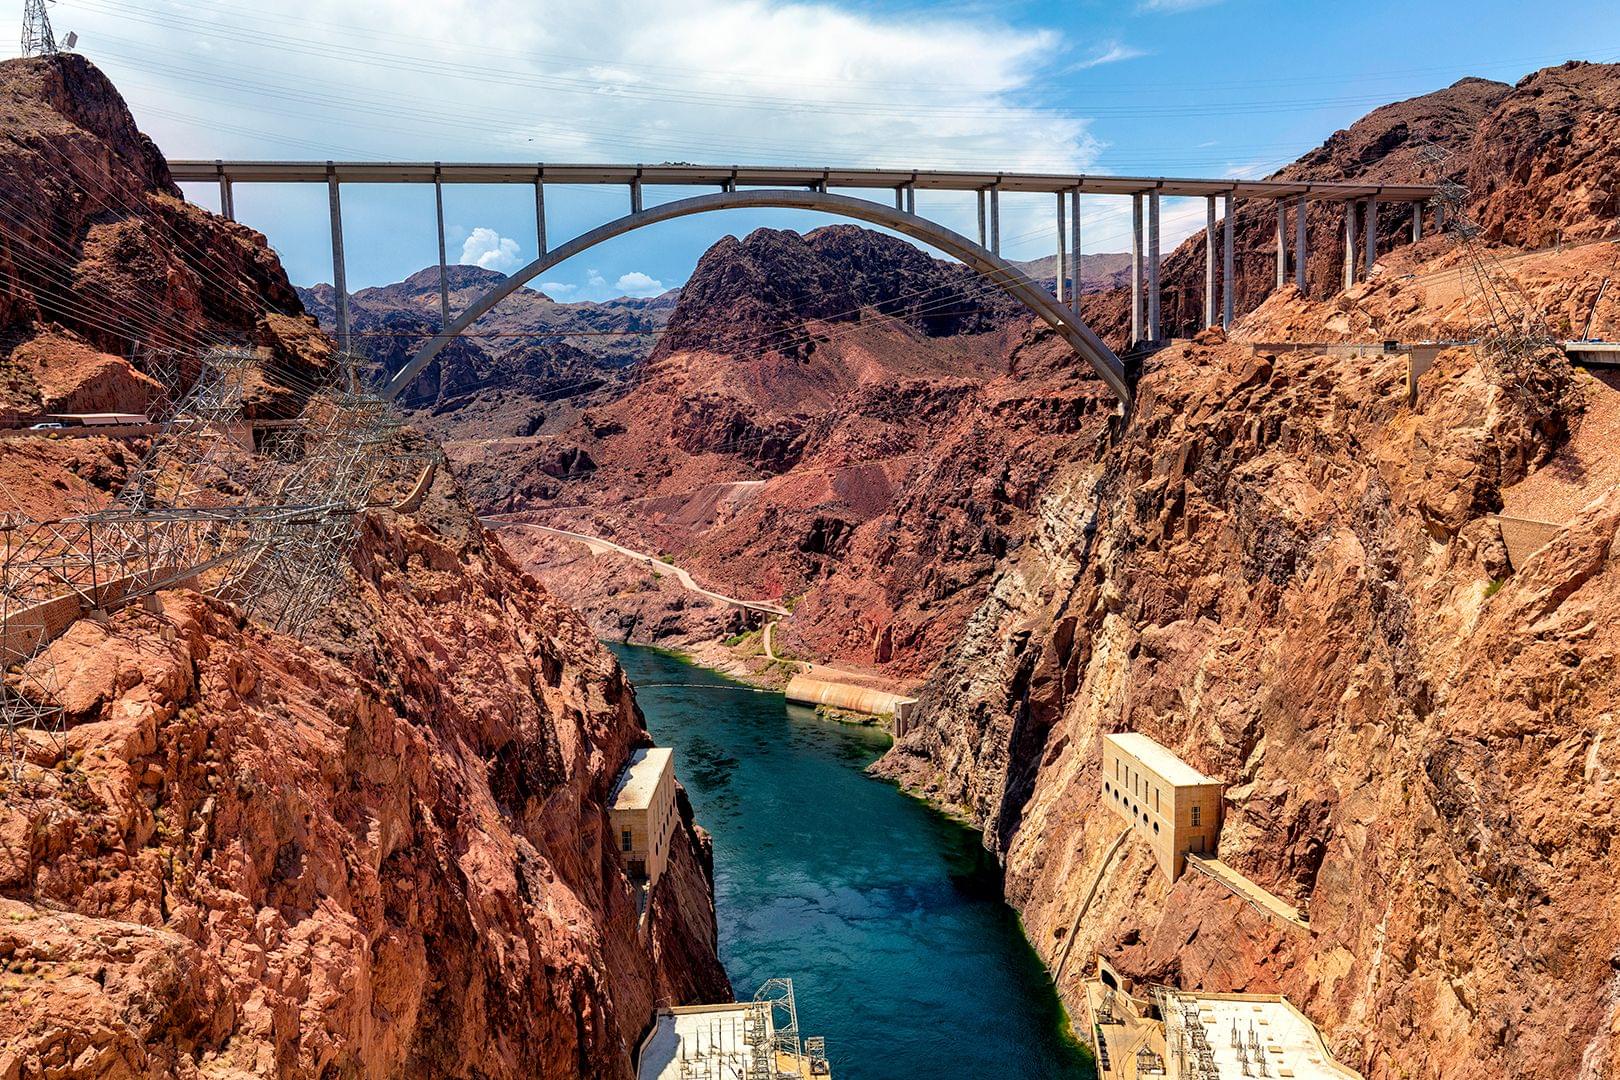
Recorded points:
(809,188)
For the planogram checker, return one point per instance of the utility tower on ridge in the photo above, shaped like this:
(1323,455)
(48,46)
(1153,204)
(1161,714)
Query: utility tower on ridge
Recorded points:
(37,39)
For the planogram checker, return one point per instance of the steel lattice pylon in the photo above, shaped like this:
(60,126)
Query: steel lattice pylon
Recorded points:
(1513,337)
(37,38)
(271,531)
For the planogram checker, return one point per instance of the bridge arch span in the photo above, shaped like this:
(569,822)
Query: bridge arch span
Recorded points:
(992,267)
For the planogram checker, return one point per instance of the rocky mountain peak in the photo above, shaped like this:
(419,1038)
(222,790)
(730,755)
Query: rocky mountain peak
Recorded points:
(762,290)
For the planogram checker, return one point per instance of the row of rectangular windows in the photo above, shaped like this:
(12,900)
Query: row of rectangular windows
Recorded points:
(1137,785)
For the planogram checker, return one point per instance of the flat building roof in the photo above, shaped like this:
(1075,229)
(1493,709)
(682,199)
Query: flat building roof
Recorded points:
(640,777)
(1289,1042)
(1154,756)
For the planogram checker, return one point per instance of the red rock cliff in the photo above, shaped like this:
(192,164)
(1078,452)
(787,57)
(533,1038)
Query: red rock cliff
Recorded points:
(376,852)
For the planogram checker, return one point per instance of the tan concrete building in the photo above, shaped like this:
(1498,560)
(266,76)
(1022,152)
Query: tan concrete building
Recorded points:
(643,813)
(1168,803)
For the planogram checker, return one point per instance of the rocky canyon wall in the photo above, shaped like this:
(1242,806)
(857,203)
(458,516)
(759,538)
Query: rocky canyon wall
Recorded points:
(382,850)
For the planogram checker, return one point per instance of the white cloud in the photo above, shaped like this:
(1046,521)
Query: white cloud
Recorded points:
(822,82)
(557,290)
(1171,7)
(487,248)
(635,283)
(594,279)
(1110,52)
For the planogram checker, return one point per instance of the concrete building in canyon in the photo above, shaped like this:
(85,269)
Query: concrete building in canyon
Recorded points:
(643,813)
(1168,803)
(1161,1033)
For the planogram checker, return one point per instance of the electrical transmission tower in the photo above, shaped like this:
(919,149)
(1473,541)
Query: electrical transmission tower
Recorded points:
(1513,337)
(37,39)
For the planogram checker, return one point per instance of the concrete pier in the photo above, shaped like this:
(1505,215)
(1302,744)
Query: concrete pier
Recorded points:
(540,217)
(1209,262)
(1282,243)
(444,283)
(1417,222)
(635,195)
(1371,234)
(1074,244)
(1301,244)
(340,279)
(1136,268)
(1350,252)
(995,221)
(1155,304)
(1062,252)
(1229,270)
(227,202)
(984,235)
(911,198)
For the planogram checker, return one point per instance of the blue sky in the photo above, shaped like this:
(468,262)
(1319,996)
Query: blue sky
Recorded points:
(1181,87)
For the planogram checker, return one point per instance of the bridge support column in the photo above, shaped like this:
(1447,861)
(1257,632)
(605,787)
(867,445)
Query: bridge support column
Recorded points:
(635,195)
(1282,243)
(995,221)
(984,235)
(911,198)
(340,283)
(1350,252)
(1417,222)
(1074,244)
(540,217)
(444,283)
(1062,252)
(1229,268)
(227,204)
(1371,234)
(1155,301)
(1439,217)
(1301,244)
(1209,262)
(1136,268)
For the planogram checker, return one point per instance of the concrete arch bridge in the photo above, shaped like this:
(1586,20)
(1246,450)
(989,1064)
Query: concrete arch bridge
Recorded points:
(808,189)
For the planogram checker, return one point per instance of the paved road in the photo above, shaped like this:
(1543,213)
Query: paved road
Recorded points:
(599,545)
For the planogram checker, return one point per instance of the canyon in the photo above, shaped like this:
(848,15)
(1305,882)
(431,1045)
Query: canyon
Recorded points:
(384,849)
(1275,565)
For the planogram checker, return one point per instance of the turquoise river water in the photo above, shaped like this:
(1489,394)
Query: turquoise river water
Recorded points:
(884,913)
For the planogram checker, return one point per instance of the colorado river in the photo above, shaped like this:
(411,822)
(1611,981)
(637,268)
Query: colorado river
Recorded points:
(885,914)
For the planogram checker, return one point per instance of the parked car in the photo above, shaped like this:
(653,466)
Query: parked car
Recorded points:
(51,425)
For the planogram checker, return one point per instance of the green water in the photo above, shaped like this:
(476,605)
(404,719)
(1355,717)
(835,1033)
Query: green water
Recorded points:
(886,915)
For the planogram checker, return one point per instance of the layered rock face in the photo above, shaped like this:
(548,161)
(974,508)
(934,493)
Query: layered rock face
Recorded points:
(835,417)
(1290,579)
(102,260)
(379,851)
(384,852)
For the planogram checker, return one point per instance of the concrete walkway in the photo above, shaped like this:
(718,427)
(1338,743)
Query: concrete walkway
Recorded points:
(600,545)
(1244,889)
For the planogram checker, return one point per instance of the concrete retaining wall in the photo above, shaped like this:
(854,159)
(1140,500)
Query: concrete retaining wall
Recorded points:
(1524,537)
(862,699)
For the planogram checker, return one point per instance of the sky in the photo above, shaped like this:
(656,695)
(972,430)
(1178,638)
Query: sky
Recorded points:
(1220,88)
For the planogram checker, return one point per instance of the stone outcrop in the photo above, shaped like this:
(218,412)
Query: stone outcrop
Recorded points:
(378,851)
(381,853)
(1292,580)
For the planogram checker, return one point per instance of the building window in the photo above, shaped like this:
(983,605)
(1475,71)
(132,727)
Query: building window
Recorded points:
(1197,816)
(625,841)
(1155,826)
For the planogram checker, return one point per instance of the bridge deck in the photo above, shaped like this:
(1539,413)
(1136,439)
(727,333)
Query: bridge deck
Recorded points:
(424,172)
